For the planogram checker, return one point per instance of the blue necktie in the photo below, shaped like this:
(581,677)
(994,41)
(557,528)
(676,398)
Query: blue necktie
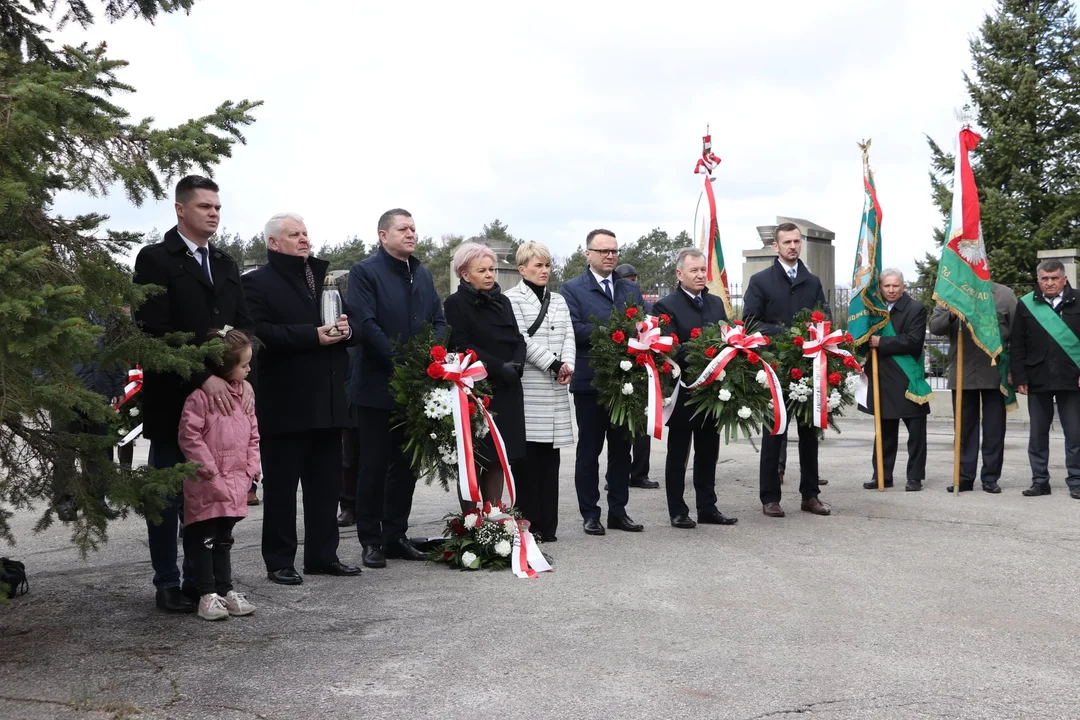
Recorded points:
(699,302)
(205,263)
(607,290)
(792,272)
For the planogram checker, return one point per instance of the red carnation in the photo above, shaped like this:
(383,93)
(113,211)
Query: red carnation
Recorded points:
(439,353)
(666,367)
(665,318)
(631,312)
(798,341)
(710,352)
(618,336)
(835,378)
(851,362)
(457,528)
(471,355)
(739,322)
(674,339)
(695,333)
(817,317)
(435,371)
(487,401)
(472,408)
(796,374)
(753,357)
(641,360)
(775,366)
(447,555)
(848,338)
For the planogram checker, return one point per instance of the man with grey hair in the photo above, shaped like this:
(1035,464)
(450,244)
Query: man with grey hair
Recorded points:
(908,318)
(1045,361)
(300,402)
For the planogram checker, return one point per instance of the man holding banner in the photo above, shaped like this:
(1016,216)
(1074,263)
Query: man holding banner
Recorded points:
(1045,348)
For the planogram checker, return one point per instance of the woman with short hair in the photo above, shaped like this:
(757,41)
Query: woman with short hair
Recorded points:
(544,319)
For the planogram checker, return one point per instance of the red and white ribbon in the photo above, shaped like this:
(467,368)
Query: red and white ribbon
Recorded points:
(821,344)
(464,370)
(134,385)
(526,560)
(648,342)
(736,340)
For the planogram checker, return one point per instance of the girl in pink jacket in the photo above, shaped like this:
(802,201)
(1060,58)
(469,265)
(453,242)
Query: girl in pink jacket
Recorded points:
(227,447)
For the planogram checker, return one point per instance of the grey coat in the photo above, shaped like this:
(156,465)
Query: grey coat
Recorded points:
(979,374)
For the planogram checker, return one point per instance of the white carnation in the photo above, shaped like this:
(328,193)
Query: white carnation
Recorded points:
(134,412)
(675,371)
(470,521)
(434,436)
(834,400)
(628,389)
(626,365)
(721,376)
(744,412)
(762,378)
(725,395)
(502,548)
(468,558)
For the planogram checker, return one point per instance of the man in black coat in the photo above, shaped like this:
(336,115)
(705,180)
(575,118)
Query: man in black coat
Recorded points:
(689,307)
(300,402)
(1045,360)
(391,298)
(773,297)
(202,291)
(908,318)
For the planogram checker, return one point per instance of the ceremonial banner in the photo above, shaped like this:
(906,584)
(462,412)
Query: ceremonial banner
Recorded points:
(867,312)
(717,279)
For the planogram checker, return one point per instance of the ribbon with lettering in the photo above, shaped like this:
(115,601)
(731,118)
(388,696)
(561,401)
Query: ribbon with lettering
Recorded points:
(526,559)
(648,342)
(134,385)
(736,340)
(821,344)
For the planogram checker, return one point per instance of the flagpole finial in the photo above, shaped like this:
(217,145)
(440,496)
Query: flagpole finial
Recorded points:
(964,116)
(864,146)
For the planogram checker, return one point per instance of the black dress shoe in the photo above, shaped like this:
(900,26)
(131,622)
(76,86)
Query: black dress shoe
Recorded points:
(964,486)
(913,486)
(1074,493)
(683,521)
(1037,489)
(346,518)
(822,481)
(373,556)
(592,526)
(712,516)
(285,576)
(623,522)
(646,483)
(992,488)
(336,568)
(402,549)
(872,484)
(190,592)
(173,600)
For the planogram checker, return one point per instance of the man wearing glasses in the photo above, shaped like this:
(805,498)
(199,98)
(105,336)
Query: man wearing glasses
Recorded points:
(596,293)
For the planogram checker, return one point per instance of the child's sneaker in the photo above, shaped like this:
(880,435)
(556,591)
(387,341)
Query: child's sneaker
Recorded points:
(237,603)
(212,607)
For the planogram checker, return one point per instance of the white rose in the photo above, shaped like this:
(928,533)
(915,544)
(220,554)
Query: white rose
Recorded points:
(628,389)
(725,395)
(502,548)
(626,365)
(470,521)
(744,412)
(468,558)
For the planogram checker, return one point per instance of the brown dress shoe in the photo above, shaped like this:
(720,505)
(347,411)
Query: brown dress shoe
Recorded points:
(813,505)
(772,510)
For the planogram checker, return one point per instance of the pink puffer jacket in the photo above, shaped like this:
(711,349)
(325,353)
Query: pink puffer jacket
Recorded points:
(228,448)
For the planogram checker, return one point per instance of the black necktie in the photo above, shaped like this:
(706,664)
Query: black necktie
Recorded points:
(310,279)
(699,302)
(205,263)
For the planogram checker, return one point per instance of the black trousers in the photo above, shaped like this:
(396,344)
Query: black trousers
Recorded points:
(993,434)
(350,467)
(706,451)
(537,478)
(384,491)
(916,447)
(594,426)
(312,458)
(208,545)
(639,462)
(1041,414)
(769,468)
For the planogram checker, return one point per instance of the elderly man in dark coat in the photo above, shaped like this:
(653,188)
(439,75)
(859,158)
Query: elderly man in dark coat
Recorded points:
(300,402)
(982,391)
(689,307)
(908,318)
(773,297)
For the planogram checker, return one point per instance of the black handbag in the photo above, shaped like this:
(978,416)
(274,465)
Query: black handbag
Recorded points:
(13,575)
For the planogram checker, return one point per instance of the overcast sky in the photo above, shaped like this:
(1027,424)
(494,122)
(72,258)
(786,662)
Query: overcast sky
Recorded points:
(560,117)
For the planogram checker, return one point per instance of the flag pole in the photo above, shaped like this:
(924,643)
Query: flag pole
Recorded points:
(877,423)
(959,406)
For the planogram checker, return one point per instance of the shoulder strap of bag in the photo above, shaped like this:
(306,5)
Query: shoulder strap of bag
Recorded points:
(540,317)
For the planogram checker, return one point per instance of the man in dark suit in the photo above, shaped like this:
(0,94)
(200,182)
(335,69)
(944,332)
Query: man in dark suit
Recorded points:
(773,297)
(908,318)
(689,307)
(202,291)
(596,293)
(1045,360)
(300,402)
(641,450)
(391,298)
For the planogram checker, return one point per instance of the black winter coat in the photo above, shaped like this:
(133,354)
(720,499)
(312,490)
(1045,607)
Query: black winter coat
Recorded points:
(1036,358)
(772,299)
(908,318)
(190,304)
(484,322)
(299,384)
(685,316)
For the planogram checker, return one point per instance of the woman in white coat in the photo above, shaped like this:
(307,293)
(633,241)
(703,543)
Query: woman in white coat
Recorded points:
(544,320)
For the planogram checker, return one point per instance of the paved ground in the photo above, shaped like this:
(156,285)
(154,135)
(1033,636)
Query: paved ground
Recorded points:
(901,605)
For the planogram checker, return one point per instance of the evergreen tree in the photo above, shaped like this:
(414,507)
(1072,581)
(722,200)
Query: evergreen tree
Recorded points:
(348,253)
(63,292)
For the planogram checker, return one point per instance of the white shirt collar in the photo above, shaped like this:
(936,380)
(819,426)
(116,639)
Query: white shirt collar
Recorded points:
(891,306)
(786,266)
(1053,302)
(190,245)
(600,280)
(689,294)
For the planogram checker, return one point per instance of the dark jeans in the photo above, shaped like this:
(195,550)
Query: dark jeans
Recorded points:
(594,426)
(639,463)
(1041,413)
(916,447)
(706,451)
(537,479)
(350,467)
(384,491)
(993,434)
(312,459)
(769,468)
(209,543)
(162,536)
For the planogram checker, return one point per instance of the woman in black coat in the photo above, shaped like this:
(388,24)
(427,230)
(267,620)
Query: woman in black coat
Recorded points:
(482,320)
